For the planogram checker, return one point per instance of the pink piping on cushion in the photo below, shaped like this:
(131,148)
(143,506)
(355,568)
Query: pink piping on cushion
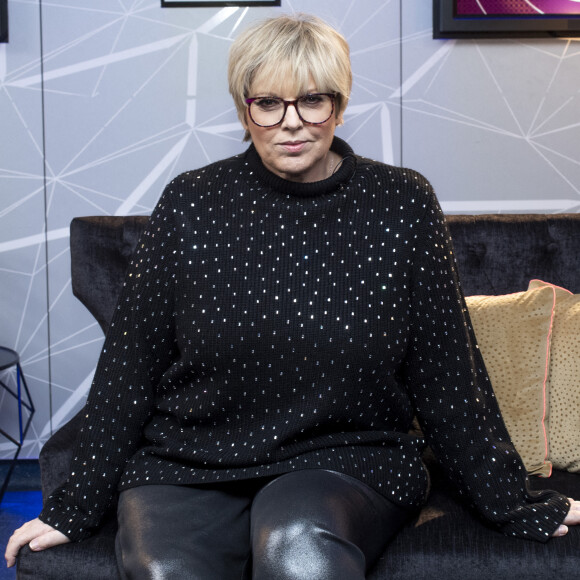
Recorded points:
(546,372)
(552,286)
(547,367)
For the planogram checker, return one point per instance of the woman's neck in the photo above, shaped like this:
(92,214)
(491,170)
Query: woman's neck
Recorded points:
(341,165)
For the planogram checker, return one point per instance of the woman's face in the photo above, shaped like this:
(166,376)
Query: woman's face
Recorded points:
(293,150)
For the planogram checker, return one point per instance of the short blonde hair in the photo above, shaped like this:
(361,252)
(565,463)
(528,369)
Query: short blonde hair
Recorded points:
(296,47)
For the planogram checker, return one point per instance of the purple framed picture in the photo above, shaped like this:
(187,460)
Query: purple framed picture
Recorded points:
(3,20)
(216,3)
(505,18)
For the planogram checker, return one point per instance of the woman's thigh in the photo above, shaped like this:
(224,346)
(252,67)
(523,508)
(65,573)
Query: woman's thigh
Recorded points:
(183,532)
(320,525)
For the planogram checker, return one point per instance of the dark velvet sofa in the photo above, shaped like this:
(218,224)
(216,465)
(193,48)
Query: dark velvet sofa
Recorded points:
(497,254)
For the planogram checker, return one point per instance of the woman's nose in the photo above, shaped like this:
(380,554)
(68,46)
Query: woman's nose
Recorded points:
(291,119)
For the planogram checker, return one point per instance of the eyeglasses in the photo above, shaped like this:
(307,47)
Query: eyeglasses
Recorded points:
(314,109)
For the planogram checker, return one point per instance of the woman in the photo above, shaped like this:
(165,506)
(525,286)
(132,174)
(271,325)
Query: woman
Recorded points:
(287,313)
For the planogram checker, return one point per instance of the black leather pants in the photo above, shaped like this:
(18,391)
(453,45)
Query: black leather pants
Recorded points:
(305,525)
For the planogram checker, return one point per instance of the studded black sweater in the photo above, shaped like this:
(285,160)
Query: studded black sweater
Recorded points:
(267,326)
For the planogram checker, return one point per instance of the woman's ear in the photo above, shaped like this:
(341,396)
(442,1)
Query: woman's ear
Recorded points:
(339,113)
(245,125)
(244,119)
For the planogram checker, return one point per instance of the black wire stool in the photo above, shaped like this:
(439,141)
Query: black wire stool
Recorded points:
(10,358)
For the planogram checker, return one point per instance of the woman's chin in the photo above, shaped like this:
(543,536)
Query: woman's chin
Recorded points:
(300,172)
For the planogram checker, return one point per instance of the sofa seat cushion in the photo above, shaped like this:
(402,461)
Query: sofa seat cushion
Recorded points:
(91,559)
(447,542)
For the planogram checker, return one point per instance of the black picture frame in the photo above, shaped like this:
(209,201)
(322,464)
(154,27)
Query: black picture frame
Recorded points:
(3,20)
(216,3)
(446,24)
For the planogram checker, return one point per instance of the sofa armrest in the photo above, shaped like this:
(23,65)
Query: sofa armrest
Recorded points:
(56,454)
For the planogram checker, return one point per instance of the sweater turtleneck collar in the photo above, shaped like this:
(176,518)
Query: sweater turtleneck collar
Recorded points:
(311,189)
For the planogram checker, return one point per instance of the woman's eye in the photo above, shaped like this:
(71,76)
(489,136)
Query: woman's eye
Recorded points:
(311,100)
(267,103)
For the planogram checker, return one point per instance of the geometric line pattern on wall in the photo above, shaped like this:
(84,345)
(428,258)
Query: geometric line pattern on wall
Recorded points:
(132,96)
(494,124)
(129,95)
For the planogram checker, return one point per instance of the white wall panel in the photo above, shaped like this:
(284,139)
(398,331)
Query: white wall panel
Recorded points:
(492,123)
(134,94)
(23,275)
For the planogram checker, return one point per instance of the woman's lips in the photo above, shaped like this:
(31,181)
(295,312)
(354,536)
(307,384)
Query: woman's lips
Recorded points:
(293,146)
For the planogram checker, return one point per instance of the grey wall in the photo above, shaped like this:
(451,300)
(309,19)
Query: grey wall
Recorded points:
(101,103)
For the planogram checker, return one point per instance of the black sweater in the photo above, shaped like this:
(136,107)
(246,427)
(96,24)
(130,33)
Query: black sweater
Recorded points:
(267,326)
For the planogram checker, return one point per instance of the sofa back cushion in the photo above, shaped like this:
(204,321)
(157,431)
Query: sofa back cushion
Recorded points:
(496,254)
(101,249)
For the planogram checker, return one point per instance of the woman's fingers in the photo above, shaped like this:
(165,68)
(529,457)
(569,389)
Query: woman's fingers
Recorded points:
(36,533)
(561,531)
(572,519)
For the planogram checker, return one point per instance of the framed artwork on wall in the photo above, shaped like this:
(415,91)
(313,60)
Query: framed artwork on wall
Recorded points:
(210,3)
(3,20)
(505,18)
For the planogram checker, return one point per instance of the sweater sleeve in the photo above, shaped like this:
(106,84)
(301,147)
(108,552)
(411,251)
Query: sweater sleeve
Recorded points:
(454,400)
(138,348)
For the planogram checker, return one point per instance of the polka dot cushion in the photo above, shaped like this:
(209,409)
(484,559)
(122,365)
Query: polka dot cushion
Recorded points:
(513,333)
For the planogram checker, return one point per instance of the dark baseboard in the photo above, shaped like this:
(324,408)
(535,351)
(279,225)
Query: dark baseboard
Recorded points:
(25,477)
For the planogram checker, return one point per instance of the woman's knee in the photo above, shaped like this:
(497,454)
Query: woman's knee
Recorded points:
(302,549)
(142,553)
(173,532)
(136,565)
(299,533)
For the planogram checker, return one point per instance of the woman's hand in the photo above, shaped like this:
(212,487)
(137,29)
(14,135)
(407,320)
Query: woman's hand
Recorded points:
(36,533)
(572,519)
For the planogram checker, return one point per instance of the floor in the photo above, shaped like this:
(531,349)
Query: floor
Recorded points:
(22,502)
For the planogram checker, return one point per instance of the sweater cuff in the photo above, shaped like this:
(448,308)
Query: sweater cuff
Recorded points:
(68,520)
(538,521)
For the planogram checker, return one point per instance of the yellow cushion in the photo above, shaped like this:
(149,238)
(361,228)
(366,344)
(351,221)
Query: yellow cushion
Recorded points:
(564,380)
(513,333)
